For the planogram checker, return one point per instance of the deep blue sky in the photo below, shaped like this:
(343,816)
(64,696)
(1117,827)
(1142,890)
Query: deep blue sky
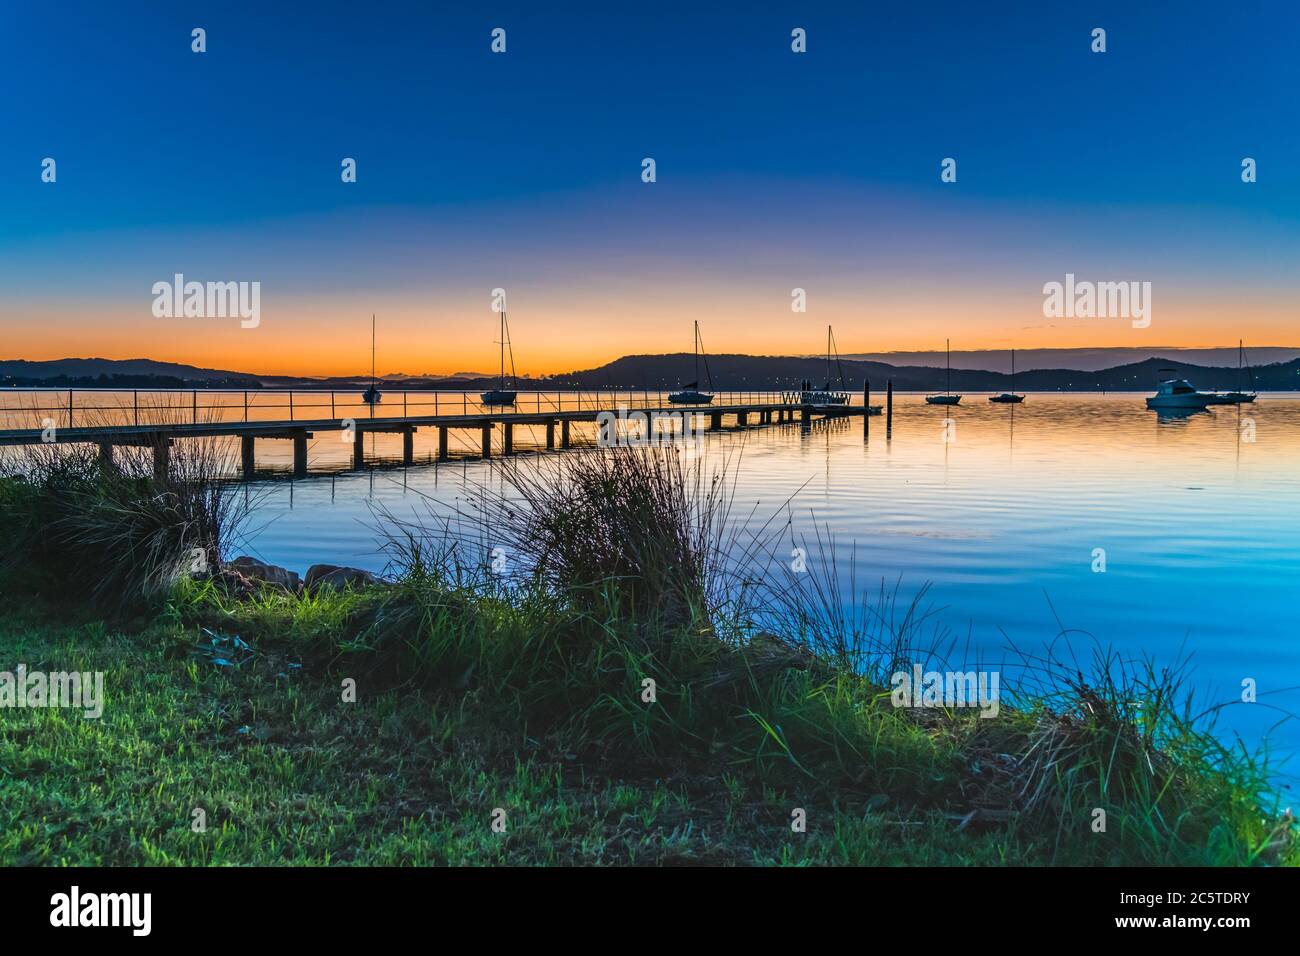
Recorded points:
(247,138)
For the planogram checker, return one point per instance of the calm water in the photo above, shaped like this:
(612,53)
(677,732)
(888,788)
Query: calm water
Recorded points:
(1198,519)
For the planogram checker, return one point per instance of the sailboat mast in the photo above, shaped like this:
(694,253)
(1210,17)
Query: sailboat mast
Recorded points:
(372,350)
(695,347)
(947,351)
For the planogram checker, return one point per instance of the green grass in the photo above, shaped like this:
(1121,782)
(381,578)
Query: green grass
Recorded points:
(411,773)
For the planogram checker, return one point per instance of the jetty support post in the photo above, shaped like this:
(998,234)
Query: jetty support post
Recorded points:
(442,442)
(550,435)
(889,409)
(358,447)
(246,456)
(106,456)
(866,409)
(300,455)
(564,432)
(487,440)
(161,457)
(408,442)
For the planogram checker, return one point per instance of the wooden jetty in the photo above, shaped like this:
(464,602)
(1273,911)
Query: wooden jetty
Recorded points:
(742,409)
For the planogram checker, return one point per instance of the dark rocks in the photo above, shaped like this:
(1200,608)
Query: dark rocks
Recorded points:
(333,576)
(272,574)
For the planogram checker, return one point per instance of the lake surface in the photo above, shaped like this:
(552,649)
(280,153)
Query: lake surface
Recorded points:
(1000,510)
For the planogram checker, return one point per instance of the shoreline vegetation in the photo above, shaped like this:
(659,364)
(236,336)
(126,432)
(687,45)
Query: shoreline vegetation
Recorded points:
(601,671)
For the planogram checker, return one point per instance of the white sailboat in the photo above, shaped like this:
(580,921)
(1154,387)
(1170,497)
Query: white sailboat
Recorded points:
(1009,398)
(690,394)
(1237,397)
(502,395)
(371,395)
(823,397)
(947,398)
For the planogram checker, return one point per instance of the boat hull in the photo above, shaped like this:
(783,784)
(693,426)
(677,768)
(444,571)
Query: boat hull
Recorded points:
(1007,398)
(498,397)
(1179,401)
(689,398)
(942,399)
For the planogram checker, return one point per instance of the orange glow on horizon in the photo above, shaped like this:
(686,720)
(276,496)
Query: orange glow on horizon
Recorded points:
(550,337)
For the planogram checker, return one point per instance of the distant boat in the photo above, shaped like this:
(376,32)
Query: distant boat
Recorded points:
(689,393)
(947,398)
(823,397)
(1178,393)
(1009,398)
(501,395)
(1237,398)
(371,395)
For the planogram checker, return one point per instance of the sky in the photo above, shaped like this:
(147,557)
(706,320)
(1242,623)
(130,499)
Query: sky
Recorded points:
(522,170)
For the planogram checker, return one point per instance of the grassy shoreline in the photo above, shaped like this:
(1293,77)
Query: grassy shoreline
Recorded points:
(527,706)
(411,773)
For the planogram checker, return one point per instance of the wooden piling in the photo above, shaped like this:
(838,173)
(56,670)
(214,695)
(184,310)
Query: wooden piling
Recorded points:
(508,440)
(161,455)
(550,435)
(564,433)
(246,456)
(300,455)
(442,442)
(358,447)
(866,409)
(408,443)
(889,408)
(487,440)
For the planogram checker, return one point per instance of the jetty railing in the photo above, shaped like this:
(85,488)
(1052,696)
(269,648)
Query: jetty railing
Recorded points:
(34,407)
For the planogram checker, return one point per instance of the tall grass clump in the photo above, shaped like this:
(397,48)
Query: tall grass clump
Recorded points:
(115,532)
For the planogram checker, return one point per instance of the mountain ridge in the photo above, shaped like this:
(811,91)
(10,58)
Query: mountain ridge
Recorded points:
(730,371)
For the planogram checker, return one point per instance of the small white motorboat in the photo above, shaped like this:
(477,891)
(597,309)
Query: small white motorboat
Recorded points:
(1179,393)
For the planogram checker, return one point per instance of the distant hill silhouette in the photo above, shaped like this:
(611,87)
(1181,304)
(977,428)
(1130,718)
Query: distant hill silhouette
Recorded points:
(729,372)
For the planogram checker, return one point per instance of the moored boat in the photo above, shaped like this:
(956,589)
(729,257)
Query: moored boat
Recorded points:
(371,395)
(827,397)
(947,398)
(502,396)
(1009,398)
(689,393)
(1178,393)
